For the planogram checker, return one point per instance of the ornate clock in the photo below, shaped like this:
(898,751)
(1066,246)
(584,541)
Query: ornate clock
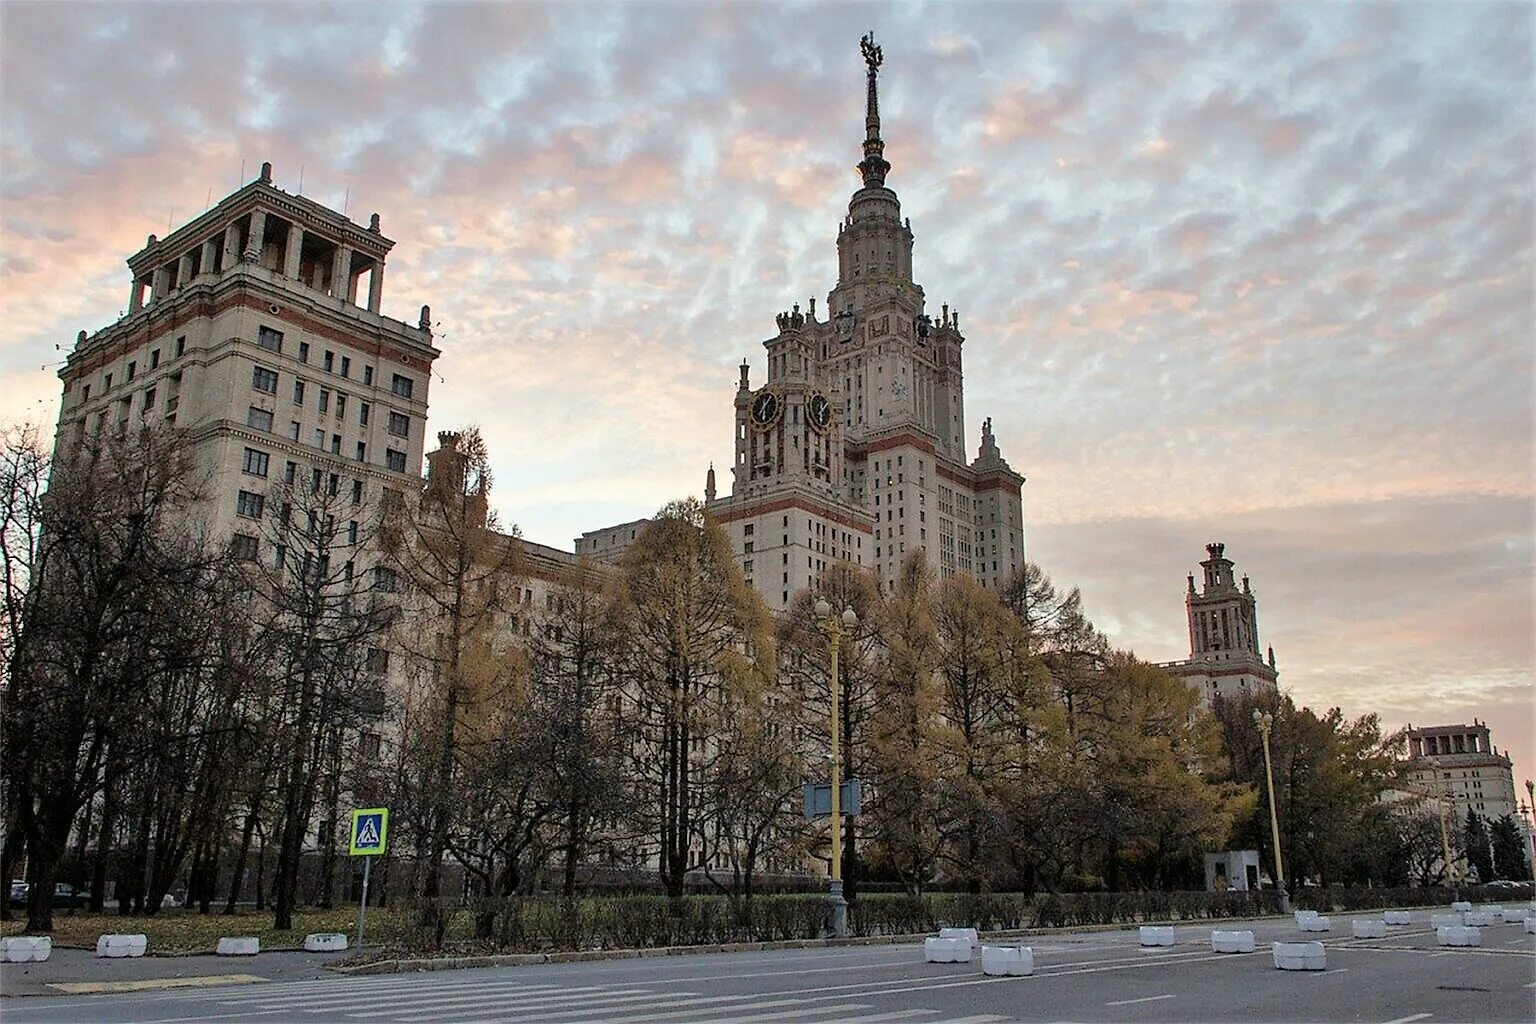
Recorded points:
(766,410)
(818,410)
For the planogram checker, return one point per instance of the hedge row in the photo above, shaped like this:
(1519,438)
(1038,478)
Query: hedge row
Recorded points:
(639,922)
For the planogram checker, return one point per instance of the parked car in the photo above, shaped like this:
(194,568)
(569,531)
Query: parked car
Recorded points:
(66,898)
(18,891)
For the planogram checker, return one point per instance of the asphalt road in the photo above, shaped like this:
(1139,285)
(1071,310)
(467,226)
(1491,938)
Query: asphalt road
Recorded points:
(1106,976)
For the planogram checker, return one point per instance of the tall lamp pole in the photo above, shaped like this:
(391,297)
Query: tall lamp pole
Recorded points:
(1264,720)
(834,627)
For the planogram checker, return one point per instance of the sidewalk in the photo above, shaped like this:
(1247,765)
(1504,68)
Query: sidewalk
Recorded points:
(81,967)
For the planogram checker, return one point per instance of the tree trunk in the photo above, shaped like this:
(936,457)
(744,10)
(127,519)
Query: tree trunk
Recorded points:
(237,877)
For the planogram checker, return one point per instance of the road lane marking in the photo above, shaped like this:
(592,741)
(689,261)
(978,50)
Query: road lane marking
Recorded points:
(508,1000)
(636,1018)
(980,1018)
(350,990)
(1334,970)
(1133,1002)
(755,1018)
(149,984)
(1410,1020)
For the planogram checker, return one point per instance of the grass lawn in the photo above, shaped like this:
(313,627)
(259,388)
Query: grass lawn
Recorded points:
(185,931)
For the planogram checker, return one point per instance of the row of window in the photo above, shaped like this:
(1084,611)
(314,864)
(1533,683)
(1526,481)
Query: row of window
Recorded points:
(256,461)
(132,369)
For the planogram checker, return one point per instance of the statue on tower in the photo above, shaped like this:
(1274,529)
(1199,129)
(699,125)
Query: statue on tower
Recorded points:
(872,54)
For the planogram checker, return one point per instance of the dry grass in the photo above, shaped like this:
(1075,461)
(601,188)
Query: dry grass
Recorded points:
(186,931)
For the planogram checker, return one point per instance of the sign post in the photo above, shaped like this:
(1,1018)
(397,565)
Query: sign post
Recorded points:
(370,832)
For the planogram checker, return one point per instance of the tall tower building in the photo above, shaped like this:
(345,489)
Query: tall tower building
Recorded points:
(1224,653)
(244,329)
(855,446)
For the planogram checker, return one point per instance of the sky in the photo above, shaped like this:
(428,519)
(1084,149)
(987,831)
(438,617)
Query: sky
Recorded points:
(1240,272)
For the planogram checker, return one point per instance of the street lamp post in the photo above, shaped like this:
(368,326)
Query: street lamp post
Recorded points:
(835,627)
(1264,720)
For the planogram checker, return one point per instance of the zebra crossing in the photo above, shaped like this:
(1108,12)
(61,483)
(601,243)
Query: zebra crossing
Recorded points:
(418,999)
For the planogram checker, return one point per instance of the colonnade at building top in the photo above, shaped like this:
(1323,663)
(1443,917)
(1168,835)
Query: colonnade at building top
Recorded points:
(278,242)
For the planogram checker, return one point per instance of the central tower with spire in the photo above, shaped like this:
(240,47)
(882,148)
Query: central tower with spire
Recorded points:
(855,447)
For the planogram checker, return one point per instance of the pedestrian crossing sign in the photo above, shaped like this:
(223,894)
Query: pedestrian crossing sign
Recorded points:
(370,830)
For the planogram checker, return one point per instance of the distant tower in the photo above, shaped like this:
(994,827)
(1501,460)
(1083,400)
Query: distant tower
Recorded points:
(1224,653)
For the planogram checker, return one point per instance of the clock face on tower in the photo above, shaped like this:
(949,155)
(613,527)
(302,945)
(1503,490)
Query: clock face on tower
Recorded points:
(818,410)
(767,407)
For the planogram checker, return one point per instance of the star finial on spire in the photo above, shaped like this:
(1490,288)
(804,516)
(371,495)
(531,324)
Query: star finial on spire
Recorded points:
(874,166)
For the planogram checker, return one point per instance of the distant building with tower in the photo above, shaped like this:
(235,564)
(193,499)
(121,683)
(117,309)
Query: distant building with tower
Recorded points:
(1224,652)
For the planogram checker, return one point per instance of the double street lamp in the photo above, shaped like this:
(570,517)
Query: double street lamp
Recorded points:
(835,627)
(1265,721)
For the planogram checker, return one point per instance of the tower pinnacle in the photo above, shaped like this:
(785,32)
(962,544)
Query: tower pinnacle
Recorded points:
(874,165)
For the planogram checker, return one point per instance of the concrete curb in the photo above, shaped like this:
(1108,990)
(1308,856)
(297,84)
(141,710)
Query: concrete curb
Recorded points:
(454,963)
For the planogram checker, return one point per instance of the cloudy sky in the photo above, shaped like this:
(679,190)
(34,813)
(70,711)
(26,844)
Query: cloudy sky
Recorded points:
(1241,272)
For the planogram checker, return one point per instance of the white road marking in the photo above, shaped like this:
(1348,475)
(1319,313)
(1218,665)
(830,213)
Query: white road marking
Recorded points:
(351,991)
(841,1008)
(506,998)
(1133,1002)
(980,1018)
(469,1004)
(1410,1020)
(605,1005)
(634,1018)
(1334,970)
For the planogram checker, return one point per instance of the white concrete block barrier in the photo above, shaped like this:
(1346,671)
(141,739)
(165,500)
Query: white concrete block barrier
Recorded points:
(325,942)
(122,945)
(1461,905)
(1445,920)
(1302,915)
(1479,919)
(239,945)
(1156,935)
(1498,914)
(968,934)
(1396,917)
(1368,928)
(1007,960)
(1300,956)
(1458,935)
(1231,942)
(1316,923)
(947,951)
(26,949)
(1530,925)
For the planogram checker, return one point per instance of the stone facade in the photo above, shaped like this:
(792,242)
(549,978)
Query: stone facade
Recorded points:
(1224,656)
(243,329)
(1460,762)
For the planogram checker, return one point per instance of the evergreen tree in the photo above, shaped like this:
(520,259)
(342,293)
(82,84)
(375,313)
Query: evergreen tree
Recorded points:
(1479,851)
(1508,849)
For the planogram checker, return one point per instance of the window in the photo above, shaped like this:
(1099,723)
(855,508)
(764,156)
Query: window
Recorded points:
(86,394)
(341,405)
(255,462)
(149,402)
(154,358)
(325,400)
(132,367)
(280,556)
(330,360)
(352,532)
(108,385)
(335,444)
(362,452)
(269,339)
(293,430)
(181,346)
(402,386)
(303,351)
(378,657)
(346,366)
(394,460)
(320,438)
(362,414)
(368,745)
(357,492)
(384,578)
(243,547)
(298,392)
(249,504)
(263,379)
(399,424)
(367,375)
(261,419)
(290,470)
